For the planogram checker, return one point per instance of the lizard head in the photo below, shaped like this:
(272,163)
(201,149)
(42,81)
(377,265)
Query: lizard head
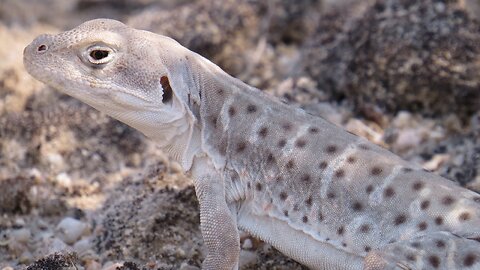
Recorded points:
(134,76)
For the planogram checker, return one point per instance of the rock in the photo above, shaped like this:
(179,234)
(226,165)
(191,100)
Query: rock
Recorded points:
(70,230)
(246,258)
(247,244)
(56,261)
(417,55)
(17,199)
(21,235)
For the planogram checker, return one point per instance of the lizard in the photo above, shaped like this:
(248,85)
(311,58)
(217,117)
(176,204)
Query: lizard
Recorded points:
(317,193)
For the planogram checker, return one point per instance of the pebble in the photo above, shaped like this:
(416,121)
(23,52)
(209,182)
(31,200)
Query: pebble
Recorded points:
(246,258)
(70,230)
(247,244)
(64,180)
(111,266)
(21,235)
(82,246)
(92,265)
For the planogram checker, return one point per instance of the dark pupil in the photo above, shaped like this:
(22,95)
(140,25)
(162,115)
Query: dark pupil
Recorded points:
(98,54)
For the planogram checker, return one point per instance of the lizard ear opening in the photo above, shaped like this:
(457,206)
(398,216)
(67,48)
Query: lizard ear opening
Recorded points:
(167,90)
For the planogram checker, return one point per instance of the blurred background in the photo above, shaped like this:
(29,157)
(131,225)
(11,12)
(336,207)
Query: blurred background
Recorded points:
(96,194)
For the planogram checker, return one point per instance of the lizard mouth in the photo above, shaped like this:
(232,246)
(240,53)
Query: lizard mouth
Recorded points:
(167,90)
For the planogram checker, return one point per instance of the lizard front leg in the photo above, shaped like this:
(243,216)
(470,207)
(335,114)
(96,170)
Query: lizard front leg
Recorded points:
(217,223)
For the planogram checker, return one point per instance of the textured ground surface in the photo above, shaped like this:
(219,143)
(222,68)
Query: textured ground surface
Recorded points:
(91,192)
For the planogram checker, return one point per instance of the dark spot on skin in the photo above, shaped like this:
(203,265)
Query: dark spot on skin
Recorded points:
(376,171)
(320,216)
(258,186)
(424,204)
(287,126)
(440,244)
(469,260)
(330,195)
(220,92)
(364,147)
(415,245)
(241,147)
(434,261)
(367,248)
(357,206)
(365,228)
(464,216)
(214,121)
(340,230)
(369,189)
(232,111)
(439,220)
(407,170)
(323,165)
(251,108)
(447,200)
(411,257)
(270,158)
(283,195)
(327,239)
(285,213)
(388,192)
(418,185)
(331,149)
(295,207)
(309,201)
(313,130)
(282,143)
(300,143)
(305,178)
(223,147)
(279,178)
(351,159)
(290,164)
(344,244)
(305,219)
(263,132)
(422,226)
(340,173)
(400,219)
(249,186)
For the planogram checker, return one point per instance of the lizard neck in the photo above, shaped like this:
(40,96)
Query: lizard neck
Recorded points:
(212,99)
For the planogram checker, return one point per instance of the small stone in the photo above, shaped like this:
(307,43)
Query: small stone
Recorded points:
(26,258)
(70,230)
(20,235)
(247,244)
(64,180)
(92,265)
(82,246)
(111,265)
(246,258)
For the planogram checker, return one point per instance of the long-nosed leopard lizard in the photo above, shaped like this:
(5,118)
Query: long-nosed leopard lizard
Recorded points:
(321,195)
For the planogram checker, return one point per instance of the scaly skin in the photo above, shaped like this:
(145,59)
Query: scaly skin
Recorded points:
(321,195)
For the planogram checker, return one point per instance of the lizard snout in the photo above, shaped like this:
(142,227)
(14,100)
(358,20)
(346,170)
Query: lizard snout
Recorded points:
(39,45)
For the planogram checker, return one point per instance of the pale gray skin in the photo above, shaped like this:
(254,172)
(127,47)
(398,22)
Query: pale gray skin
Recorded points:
(325,197)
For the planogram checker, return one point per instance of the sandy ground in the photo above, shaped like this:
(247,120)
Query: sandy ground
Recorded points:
(94,194)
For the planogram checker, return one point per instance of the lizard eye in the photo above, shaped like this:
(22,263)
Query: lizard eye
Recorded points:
(100,55)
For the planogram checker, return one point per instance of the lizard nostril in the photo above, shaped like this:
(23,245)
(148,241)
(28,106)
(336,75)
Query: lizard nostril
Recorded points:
(42,48)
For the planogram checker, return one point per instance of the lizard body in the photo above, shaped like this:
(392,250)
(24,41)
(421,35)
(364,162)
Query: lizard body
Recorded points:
(323,196)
